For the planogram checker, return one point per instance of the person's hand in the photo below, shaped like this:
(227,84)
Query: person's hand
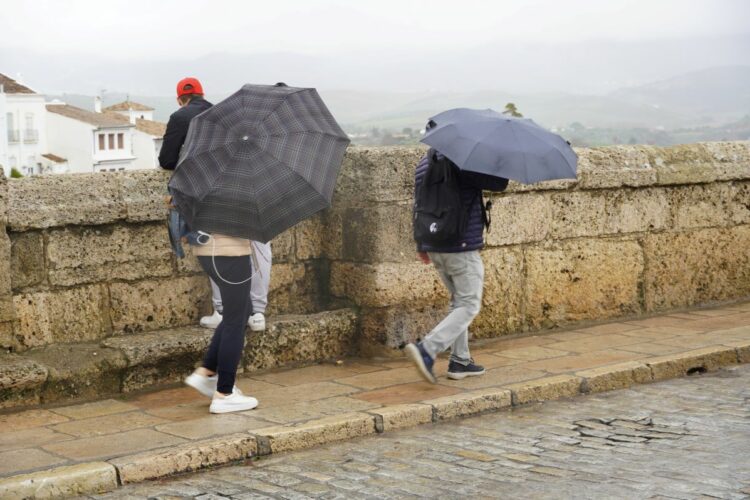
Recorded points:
(168,202)
(423,257)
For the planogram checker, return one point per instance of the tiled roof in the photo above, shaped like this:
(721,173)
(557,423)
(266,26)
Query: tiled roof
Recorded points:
(90,117)
(128,105)
(54,158)
(151,127)
(10,86)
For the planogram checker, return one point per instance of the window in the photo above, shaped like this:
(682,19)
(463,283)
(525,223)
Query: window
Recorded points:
(13,161)
(9,119)
(29,121)
(101,142)
(111,138)
(120,141)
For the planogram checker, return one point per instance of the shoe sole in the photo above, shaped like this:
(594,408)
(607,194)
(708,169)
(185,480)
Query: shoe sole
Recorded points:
(255,328)
(233,409)
(212,327)
(199,389)
(413,352)
(463,375)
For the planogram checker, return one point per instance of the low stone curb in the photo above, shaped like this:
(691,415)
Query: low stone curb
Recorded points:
(70,480)
(99,477)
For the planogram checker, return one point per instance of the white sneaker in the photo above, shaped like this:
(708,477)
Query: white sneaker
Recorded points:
(211,321)
(234,402)
(203,384)
(257,322)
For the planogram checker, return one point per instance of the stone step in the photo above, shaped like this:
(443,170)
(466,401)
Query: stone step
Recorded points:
(126,363)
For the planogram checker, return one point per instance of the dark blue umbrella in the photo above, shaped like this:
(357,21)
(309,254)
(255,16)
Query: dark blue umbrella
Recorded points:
(491,143)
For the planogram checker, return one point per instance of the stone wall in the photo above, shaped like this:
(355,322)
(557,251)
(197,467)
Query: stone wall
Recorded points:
(643,229)
(87,257)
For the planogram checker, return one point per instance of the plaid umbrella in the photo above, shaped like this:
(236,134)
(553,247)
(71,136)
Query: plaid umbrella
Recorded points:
(258,162)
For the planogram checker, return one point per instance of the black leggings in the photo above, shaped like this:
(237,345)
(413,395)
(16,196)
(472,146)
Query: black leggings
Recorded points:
(225,351)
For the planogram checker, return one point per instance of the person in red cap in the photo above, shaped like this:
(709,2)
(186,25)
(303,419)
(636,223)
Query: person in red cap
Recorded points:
(191,101)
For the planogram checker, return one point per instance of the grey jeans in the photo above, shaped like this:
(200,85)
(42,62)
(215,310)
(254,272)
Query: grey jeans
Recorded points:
(463,275)
(258,285)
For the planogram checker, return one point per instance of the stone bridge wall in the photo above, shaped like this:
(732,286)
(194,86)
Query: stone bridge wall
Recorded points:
(644,229)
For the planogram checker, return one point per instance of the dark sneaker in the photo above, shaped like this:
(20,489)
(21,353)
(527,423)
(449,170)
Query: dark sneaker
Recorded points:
(423,361)
(457,371)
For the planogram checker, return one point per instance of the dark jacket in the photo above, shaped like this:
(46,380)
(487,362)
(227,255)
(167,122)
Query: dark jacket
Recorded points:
(472,185)
(177,129)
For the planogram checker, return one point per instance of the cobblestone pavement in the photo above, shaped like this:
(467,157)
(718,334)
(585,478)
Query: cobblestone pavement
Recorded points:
(685,438)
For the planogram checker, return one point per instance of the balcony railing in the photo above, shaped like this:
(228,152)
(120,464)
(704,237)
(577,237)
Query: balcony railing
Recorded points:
(30,136)
(14,135)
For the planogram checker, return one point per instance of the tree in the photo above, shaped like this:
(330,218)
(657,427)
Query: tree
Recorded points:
(15,174)
(510,109)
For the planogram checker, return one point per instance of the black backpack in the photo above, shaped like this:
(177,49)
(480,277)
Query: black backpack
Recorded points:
(439,216)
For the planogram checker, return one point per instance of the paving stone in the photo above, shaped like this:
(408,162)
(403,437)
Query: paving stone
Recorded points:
(295,412)
(21,460)
(316,373)
(677,365)
(318,431)
(213,425)
(29,438)
(108,424)
(398,416)
(590,359)
(545,389)
(496,377)
(12,422)
(95,409)
(469,403)
(532,353)
(617,376)
(103,447)
(406,393)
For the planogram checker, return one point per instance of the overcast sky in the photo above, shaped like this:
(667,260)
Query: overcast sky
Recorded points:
(157,29)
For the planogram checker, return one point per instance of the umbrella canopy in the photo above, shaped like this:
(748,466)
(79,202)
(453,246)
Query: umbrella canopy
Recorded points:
(488,142)
(258,162)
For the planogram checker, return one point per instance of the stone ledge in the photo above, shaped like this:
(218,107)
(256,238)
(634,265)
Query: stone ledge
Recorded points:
(21,380)
(81,479)
(400,416)
(685,363)
(470,403)
(185,458)
(545,389)
(618,376)
(317,432)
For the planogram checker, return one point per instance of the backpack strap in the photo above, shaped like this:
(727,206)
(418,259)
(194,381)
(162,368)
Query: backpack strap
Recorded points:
(486,208)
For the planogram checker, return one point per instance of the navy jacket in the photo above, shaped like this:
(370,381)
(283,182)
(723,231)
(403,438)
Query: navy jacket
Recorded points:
(472,185)
(177,129)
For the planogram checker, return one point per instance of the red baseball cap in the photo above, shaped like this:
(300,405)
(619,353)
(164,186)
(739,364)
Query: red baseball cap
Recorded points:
(188,86)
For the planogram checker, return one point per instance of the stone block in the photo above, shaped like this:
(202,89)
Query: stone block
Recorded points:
(698,360)
(614,167)
(21,381)
(59,200)
(27,260)
(283,247)
(399,416)
(106,253)
(502,299)
(317,432)
(387,284)
(384,330)
(61,482)
(377,174)
(617,376)
(296,339)
(188,265)
(469,403)
(633,211)
(584,279)
(378,233)
(700,206)
(156,304)
(683,164)
(333,242)
(78,371)
(739,206)
(519,218)
(3,200)
(576,214)
(296,287)
(186,457)
(144,194)
(684,269)
(70,315)
(7,340)
(731,159)
(545,389)
(159,358)
(309,236)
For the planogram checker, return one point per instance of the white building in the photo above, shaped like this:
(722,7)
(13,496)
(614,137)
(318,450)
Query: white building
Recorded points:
(147,140)
(22,127)
(90,141)
(132,111)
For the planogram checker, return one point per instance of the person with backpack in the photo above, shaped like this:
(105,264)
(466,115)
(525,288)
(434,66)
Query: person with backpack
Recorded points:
(449,221)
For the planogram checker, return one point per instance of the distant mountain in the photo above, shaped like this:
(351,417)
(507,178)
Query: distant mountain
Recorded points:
(722,92)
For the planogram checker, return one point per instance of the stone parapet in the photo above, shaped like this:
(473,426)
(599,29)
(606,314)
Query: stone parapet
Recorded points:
(642,229)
